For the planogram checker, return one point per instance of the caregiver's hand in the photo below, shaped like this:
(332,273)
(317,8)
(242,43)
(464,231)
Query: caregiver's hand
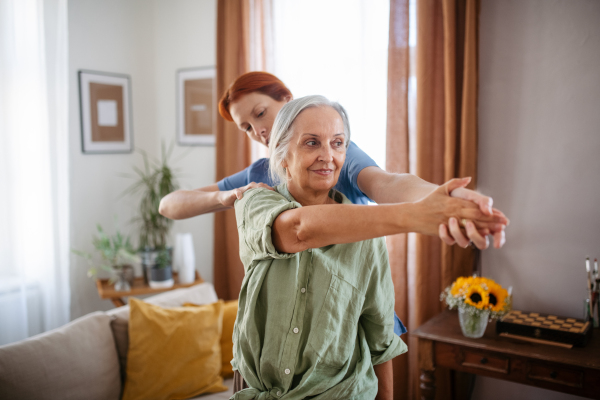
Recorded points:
(228,197)
(438,208)
(453,233)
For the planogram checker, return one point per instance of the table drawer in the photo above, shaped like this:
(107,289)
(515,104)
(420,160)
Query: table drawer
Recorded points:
(480,360)
(561,376)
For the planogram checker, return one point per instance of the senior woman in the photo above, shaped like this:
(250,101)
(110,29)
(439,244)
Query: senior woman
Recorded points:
(316,306)
(252,102)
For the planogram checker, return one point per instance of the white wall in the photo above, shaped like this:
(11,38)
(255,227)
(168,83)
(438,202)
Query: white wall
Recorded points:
(539,154)
(147,40)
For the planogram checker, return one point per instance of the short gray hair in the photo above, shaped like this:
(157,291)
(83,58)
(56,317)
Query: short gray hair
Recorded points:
(281,133)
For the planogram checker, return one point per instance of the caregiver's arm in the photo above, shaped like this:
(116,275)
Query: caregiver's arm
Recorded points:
(182,204)
(384,188)
(317,226)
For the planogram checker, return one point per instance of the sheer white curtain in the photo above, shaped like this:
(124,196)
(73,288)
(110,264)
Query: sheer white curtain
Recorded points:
(338,48)
(34,227)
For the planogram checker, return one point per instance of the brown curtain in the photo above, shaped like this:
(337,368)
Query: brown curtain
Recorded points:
(446,147)
(397,158)
(241,40)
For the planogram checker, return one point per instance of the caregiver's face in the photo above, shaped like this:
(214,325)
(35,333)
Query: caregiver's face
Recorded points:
(254,114)
(317,149)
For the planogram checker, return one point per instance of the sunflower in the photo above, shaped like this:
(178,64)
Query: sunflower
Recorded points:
(477,297)
(459,287)
(497,297)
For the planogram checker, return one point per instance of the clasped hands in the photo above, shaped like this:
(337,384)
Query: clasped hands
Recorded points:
(470,215)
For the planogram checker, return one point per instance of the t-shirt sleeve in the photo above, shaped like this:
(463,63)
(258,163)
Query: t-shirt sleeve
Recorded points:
(377,316)
(255,214)
(356,161)
(234,181)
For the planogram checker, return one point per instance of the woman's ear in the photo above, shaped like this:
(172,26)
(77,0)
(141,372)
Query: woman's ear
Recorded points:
(287,99)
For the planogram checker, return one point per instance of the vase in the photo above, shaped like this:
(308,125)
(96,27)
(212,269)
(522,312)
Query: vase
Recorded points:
(473,325)
(122,284)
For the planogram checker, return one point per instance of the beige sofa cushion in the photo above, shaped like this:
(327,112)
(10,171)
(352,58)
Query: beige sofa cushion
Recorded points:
(203,293)
(76,361)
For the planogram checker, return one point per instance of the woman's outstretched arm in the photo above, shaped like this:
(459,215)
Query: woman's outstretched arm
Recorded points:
(385,187)
(182,204)
(317,226)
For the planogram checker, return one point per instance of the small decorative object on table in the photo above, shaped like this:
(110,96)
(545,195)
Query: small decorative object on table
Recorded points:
(117,255)
(161,273)
(478,300)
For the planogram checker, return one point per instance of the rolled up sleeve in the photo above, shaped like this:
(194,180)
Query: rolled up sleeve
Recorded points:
(255,214)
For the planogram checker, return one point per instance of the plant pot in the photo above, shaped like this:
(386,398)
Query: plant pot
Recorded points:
(148,258)
(473,324)
(160,278)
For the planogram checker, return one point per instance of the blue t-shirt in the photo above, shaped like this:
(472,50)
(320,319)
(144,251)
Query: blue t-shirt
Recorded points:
(356,161)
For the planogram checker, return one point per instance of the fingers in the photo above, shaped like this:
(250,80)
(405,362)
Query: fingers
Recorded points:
(484,202)
(457,233)
(480,241)
(238,193)
(499,239)
(453,184)
(443,232)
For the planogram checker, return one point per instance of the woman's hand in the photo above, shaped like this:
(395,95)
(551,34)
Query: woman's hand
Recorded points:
(474,213)
(228,197)
(453,234)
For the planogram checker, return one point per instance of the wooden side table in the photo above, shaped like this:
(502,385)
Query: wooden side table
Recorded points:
(107,290)
(442,344)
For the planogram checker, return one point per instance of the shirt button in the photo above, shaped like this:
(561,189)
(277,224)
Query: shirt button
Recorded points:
(296,330)
(303,290)
(310,250)
(279,393)
(287,371)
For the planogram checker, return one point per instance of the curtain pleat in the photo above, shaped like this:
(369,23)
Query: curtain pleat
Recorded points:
(446,147)
(242,27)
(397,161)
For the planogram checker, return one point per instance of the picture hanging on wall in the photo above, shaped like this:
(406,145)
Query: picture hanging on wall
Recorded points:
(105,108)
(196,106)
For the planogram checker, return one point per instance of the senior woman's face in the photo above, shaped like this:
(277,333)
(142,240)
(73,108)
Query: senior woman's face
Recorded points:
(317,150)
(254,115)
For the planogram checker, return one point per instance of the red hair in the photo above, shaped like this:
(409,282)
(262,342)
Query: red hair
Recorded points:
(250,82)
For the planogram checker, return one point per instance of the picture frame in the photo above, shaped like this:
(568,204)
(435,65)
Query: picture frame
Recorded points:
(105,112)
(196,106)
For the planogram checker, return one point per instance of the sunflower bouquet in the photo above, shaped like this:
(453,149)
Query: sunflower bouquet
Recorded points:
(477,299)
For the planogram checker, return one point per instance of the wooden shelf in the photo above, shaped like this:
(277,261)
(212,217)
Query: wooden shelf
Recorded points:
(107,290)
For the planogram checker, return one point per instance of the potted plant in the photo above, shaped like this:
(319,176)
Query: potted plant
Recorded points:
(161,273)
(154,182)
(478,300)
(117,254)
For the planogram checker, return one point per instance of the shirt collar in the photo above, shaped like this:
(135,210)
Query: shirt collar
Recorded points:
(334,194)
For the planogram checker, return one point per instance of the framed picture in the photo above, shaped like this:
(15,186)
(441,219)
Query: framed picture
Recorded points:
(105,107)
(196,106)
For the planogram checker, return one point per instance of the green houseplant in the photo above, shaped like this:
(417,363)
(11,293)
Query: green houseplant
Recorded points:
(153,182)
(116,253)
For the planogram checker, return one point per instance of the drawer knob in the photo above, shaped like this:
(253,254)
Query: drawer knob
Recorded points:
(553,374)
(484,360)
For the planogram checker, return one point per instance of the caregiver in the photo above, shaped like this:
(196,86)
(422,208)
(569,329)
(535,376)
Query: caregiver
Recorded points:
(315,315)
(252,102)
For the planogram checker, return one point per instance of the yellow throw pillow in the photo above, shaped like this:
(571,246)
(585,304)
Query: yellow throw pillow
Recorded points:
(229,314)
(174,353)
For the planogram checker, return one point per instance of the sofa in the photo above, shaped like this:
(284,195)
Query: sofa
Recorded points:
(86,358)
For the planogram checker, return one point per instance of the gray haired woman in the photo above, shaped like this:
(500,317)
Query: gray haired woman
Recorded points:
(316,306)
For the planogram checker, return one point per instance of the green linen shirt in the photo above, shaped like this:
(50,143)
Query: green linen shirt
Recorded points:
(310,324)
